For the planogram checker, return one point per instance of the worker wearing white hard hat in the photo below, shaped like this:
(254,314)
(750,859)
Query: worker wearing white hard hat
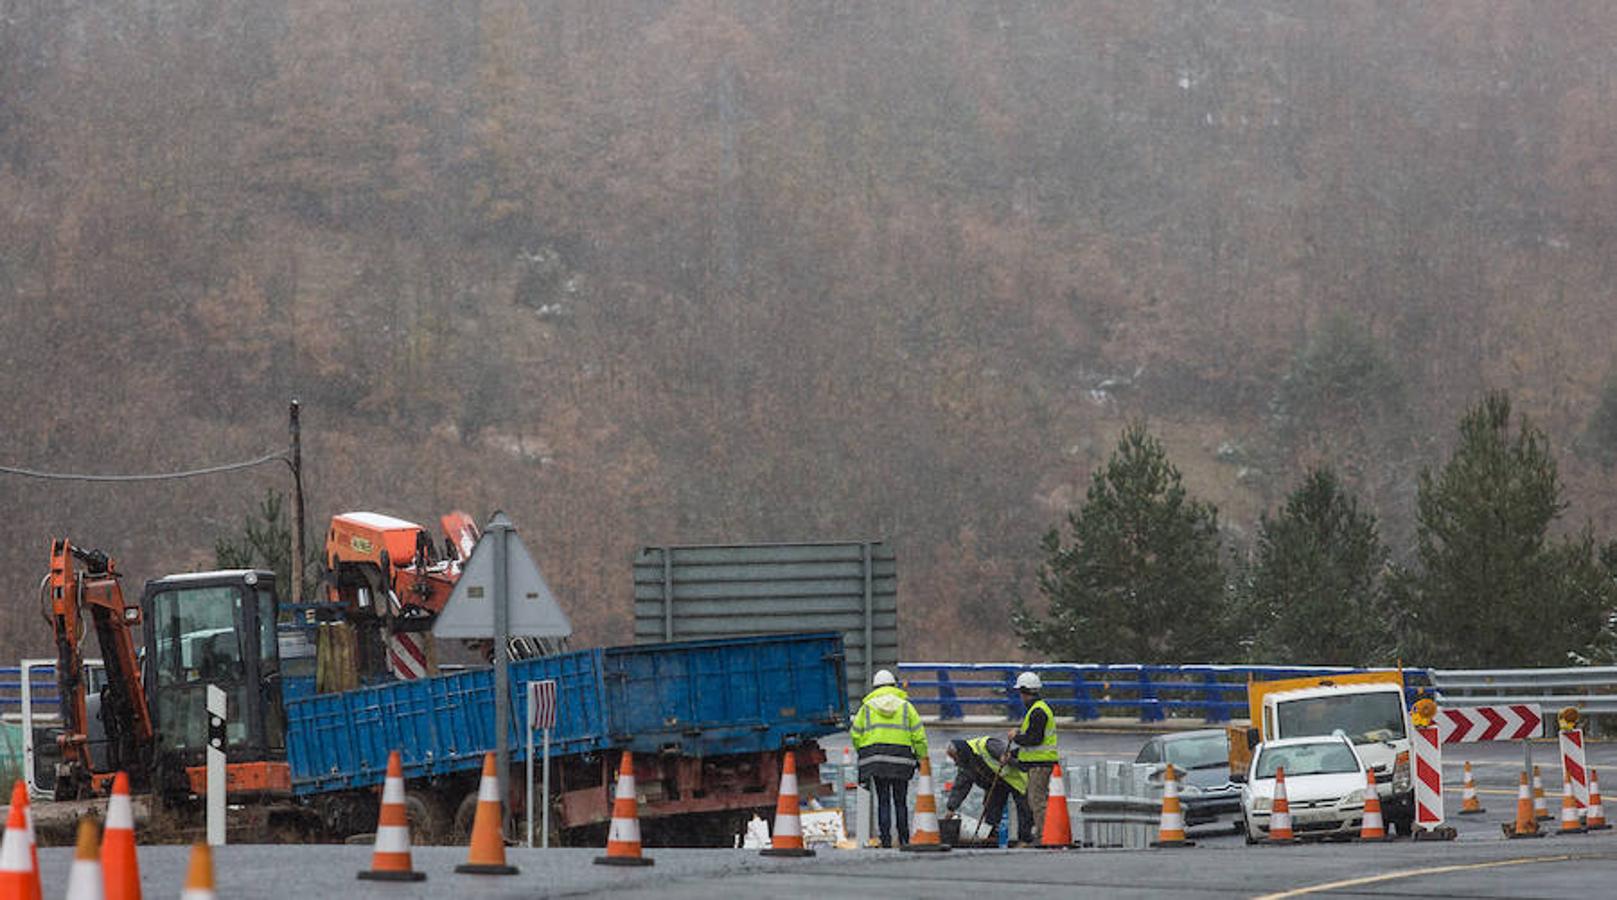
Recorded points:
(890,740)
(1035,743)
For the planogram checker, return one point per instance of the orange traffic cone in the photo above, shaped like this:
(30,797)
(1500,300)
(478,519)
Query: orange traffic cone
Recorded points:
(1057,831)
(199,877)
(1569,810)
(84,878)
(1596,820)
(120,870)
(487,856)
(788,839)
(928,837)
(1280,813)
(623,839)
(1171,828)
(1541,808)
(1526,823)
(390,861)
(18,877)
(1374,827)
(19,797)
(1469,804)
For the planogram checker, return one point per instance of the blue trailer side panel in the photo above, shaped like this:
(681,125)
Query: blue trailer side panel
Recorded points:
(438,725)
(699,698)
(730,695)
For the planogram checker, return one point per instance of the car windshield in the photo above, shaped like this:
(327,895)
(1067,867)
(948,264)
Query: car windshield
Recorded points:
(1364,717)
(1324,758)
(1200,752)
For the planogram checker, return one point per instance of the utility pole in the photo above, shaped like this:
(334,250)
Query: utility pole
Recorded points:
(297,506)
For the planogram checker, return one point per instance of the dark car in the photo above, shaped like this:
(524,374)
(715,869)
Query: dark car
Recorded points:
(1201,759)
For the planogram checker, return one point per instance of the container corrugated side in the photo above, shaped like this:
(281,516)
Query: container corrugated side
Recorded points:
(439,725)
(722,696)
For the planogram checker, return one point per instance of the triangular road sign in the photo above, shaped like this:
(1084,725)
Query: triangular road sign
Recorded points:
(469,612)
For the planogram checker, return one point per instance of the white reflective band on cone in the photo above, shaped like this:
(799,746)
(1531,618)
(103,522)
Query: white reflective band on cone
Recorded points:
(393,839)
(625,788)
(393,791)
(624,831)
(14,855)
(488,791)
(788,826)
(120,813)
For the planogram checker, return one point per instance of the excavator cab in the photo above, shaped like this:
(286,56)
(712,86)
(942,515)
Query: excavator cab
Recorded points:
(213,628)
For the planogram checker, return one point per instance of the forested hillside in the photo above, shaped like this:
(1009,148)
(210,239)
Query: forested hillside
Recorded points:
(693,271)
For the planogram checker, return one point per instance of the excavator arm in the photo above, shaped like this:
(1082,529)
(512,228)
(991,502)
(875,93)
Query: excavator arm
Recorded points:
(83,591)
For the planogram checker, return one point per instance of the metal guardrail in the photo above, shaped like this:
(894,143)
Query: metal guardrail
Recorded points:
(1113,803)
(1591,689)
(1086,692)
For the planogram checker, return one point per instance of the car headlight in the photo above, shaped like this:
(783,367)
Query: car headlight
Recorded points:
(1189,790)
(1261,804)
(1352,798)
(1400,773)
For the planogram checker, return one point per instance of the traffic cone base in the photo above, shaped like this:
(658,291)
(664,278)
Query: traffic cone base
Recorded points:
(390,861)
(623,836)
(928,837)
(487,852)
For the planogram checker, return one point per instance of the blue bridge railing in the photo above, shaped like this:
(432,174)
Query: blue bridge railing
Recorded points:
(1084,692)
(42,689)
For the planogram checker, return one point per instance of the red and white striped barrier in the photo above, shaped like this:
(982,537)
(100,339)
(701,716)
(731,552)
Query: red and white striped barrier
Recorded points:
(1428,752)
(1465,724)
(1574,769)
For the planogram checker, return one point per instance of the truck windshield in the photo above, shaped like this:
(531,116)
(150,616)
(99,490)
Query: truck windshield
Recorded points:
(1365,717)
(1307,759)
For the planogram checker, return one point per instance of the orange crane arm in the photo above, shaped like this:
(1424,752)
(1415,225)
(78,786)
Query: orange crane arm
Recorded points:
(95,594)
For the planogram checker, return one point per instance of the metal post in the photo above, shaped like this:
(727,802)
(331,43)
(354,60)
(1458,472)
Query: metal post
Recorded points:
(297,506)
(544,838)
(862,815)
(870,620)
(502,663)
(668,593)
(528,784)
(216,766)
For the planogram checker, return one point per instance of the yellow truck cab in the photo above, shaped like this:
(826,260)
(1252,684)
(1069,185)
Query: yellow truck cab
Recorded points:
(1368,707)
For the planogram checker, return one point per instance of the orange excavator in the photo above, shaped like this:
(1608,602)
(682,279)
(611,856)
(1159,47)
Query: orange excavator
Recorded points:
(150,718)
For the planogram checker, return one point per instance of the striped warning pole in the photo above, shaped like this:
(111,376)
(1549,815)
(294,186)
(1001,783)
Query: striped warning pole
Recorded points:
(1428,753)
(1574,769)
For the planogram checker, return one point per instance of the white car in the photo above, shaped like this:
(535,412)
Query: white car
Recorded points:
(1325,785)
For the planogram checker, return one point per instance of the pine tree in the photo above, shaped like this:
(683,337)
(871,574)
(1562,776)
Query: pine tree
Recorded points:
(266,542)
(1312,593)
(1141,579)
(1491,589)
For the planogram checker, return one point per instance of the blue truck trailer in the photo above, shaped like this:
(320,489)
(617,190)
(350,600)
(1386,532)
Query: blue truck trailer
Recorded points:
(707,721)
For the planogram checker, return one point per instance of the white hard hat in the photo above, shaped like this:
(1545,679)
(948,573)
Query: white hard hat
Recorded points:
(1029,681)
(883,677)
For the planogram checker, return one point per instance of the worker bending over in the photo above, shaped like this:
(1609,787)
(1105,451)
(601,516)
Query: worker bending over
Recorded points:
(985,762)
(890,740)
(1035,741)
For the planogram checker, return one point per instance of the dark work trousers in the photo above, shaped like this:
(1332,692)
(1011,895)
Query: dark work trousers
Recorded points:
(892,794)
(994,808)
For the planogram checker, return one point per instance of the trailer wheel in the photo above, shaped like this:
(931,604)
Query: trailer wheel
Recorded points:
(465,814)
(428,821)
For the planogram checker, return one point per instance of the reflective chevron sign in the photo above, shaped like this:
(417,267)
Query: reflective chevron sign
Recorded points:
(1465,724)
